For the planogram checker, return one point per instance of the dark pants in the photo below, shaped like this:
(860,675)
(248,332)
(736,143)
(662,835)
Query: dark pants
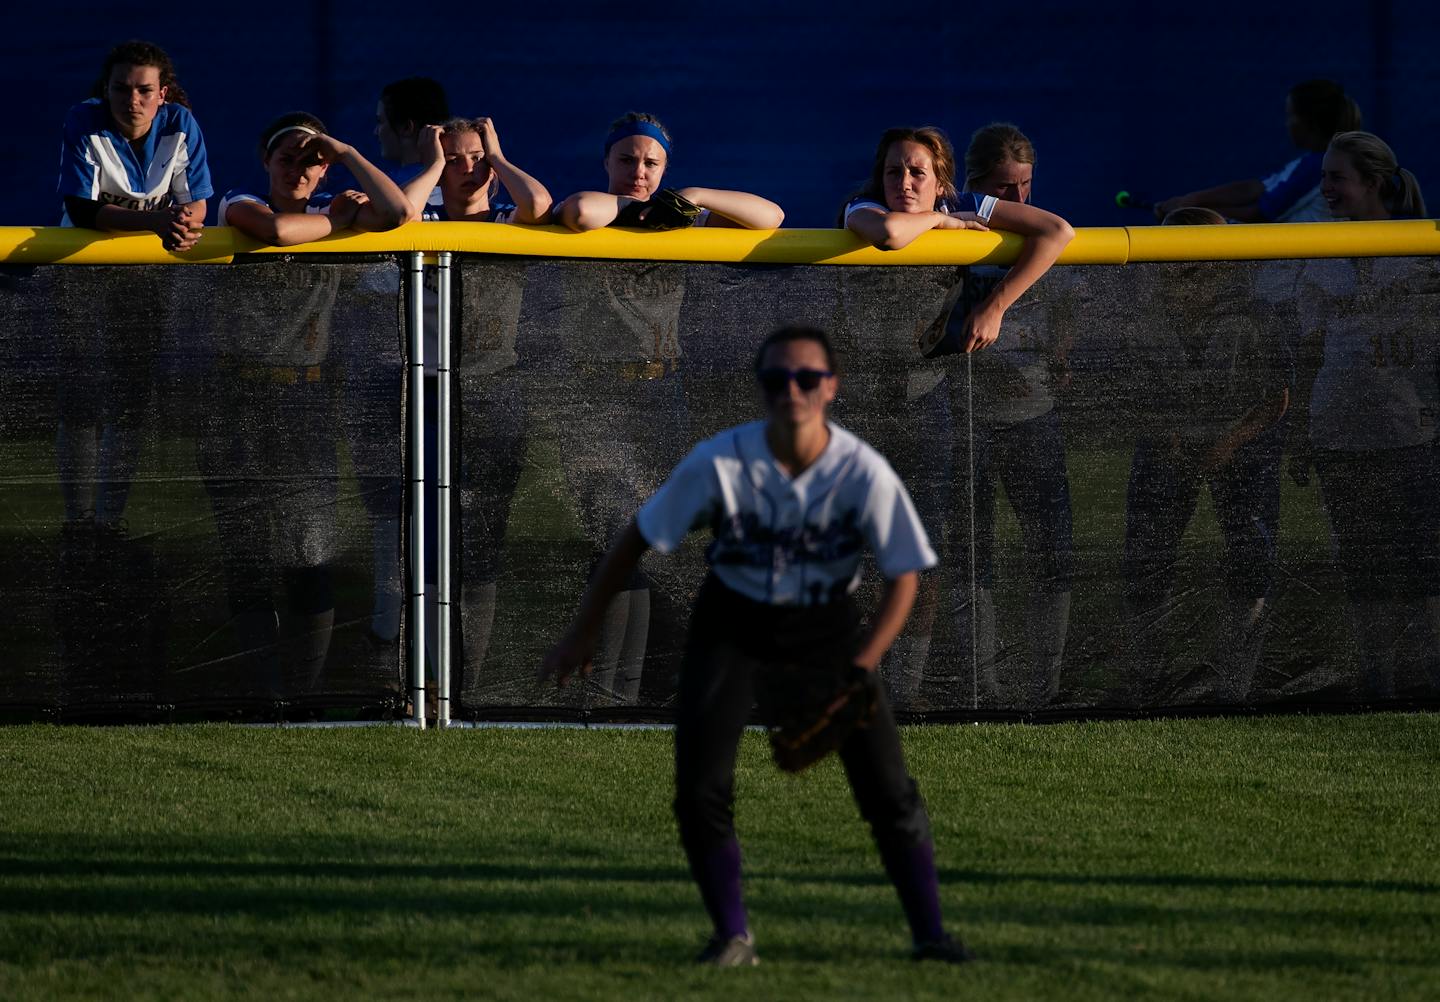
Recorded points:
(1160,501)
(1384,509)
(1028,460)
(733,642)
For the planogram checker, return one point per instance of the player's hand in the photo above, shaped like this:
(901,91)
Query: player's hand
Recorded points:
(324,149)
(194,213)
(177,230)
(345,207)
(962,221)
(570,654)
(981,328)
(489,140)
(431,152)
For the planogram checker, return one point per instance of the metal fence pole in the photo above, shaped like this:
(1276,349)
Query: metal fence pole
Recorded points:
(415,314)
(445,494)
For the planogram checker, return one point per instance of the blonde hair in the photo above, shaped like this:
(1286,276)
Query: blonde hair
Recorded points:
(1375,161)
(1193,215)
(993,145)
(457,126)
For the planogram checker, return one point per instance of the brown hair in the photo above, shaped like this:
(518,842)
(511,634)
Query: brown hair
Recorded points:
(1375,161)
(461,126)
(418,101)
(928,136)
(138,53)
(288,120)
(1324,109)
(798,332)
(993,145)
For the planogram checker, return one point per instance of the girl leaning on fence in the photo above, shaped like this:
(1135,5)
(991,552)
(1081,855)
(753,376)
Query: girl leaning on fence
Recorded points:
(267,442)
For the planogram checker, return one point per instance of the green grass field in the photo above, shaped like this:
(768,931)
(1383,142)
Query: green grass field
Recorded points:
(1253,858)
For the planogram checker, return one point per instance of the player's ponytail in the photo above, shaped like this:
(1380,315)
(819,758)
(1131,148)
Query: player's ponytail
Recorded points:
(138,53)
(1409,200)
(1375,163)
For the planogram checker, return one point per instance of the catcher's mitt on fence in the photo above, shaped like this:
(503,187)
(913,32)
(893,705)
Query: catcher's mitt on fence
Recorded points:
(667,209)
(811,709)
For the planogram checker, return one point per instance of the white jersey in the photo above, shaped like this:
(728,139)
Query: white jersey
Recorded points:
(785,540)
(1377,386)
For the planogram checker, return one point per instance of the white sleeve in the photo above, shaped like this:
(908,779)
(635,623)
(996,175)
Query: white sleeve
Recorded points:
(862,203)
(684,502)
(893,528)
(236,196)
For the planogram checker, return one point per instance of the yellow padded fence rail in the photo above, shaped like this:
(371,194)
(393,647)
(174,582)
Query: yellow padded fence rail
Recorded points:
(1095,245)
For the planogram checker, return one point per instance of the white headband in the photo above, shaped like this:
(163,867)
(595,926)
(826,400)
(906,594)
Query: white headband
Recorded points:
(270,143)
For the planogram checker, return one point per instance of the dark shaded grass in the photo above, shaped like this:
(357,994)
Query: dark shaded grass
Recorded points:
(1290,857)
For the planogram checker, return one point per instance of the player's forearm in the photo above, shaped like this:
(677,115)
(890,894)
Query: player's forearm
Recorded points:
(116,219)
(532,199)
(290,228)
(1035,258)
(895,603)
(388,207)
(589,210)
(609,580)
(892,230)
(745,210)
(417,190)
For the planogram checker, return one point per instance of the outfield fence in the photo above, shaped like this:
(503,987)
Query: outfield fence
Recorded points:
(1173,486)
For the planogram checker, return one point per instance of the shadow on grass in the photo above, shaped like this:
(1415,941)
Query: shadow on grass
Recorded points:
(123,865)
(236,897)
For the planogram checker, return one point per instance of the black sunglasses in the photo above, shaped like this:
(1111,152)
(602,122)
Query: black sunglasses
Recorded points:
(774,380)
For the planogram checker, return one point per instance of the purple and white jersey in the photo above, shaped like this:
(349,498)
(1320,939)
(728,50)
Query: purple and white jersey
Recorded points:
(98,164)
(786,540)
(962,201)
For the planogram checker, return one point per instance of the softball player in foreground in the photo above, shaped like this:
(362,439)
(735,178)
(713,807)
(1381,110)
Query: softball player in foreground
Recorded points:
(792,501)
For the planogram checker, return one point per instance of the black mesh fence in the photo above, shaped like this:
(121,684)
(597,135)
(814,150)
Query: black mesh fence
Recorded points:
(1171,487)
(201,496)
(1168,487)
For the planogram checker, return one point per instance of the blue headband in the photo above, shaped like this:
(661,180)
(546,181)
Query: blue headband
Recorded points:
(627,129)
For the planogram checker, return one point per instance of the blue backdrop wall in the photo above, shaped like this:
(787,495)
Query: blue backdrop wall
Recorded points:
(785,99)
